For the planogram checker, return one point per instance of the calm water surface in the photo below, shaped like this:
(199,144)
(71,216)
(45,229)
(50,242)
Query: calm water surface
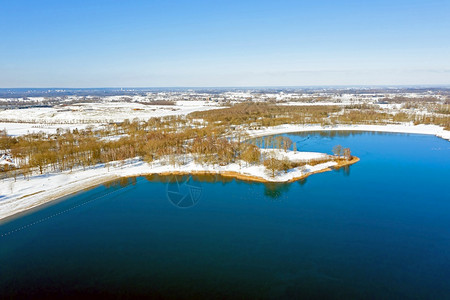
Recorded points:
(379,229)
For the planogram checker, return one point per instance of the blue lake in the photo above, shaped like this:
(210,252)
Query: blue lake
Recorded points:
(378,229)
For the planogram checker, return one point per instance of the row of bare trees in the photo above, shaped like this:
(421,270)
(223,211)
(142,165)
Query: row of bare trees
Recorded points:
(255,115)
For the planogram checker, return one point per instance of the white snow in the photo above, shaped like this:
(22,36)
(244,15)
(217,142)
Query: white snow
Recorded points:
(6,159)
(403,128)
(98,113)
(295,156)
(49,119)
(16,129)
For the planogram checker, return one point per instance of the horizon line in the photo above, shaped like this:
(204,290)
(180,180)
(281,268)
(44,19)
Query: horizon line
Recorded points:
(243,86)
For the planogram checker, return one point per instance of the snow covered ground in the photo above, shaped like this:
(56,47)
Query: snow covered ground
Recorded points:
(295,156)
(23,194)
(328,103)
(16,129)
(403,128)
(48,119)
(6,161)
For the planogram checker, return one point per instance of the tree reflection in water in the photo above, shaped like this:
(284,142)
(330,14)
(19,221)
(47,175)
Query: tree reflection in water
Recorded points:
(275,190)
(345,170)
(121,182)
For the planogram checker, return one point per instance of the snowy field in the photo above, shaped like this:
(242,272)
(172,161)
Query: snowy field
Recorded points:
(100,112)
(16,129)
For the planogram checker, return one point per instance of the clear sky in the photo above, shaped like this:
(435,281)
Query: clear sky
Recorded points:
(135,43)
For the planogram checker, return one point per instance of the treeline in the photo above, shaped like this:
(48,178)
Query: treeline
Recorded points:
(266,114)
(168,137)
(158,102)
(255,115)
(55,122)
(402,99)
(166,140)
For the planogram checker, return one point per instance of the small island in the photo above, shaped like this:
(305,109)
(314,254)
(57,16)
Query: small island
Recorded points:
(275,165)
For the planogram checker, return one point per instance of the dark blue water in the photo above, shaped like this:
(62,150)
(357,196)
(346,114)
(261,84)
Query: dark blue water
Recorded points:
(379,229)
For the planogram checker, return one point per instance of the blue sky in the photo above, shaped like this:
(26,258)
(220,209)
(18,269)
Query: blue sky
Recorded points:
(223,43)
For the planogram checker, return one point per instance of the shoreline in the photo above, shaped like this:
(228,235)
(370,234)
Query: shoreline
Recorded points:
(354,160)
(389,128)
(251,178)
(59,195)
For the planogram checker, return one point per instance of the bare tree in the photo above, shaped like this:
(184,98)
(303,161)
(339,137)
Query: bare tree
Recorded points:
(337,150)
(347,153)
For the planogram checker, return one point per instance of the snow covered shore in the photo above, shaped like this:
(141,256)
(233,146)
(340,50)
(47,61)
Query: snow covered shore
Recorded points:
(403,128)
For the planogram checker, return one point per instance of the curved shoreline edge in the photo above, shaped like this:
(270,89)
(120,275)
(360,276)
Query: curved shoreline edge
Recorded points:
(390,128)
(39,197)
(251,178)
(341,164)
